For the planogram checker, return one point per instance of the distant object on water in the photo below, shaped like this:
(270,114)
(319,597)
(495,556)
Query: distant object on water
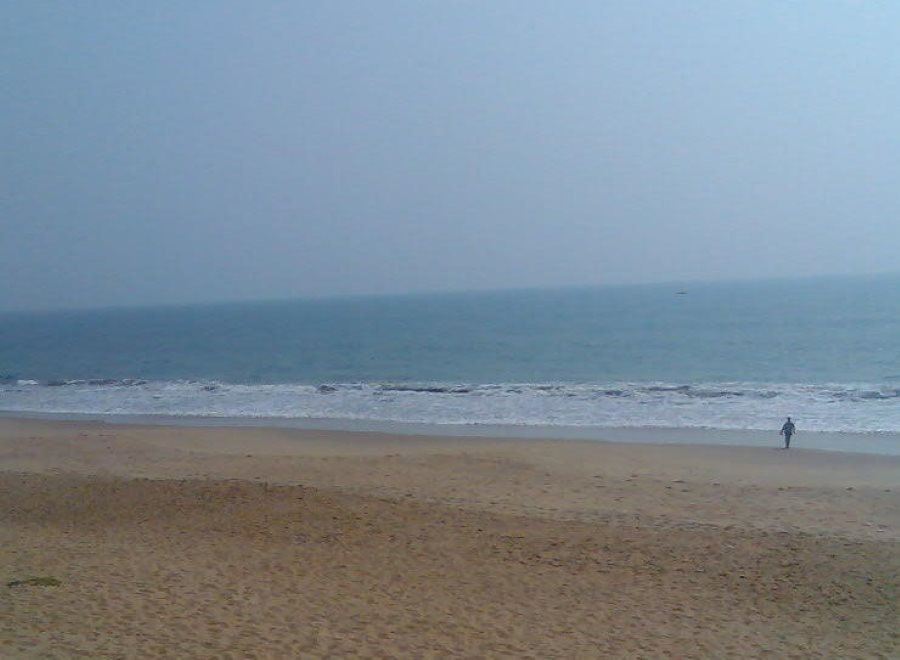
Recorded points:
(681,293)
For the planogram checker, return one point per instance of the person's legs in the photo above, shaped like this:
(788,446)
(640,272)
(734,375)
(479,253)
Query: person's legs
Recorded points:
(787,440)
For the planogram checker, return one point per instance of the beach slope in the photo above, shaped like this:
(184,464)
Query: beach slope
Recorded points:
(276,543)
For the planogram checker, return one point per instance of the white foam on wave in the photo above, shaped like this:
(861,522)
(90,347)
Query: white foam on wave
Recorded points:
(734,406)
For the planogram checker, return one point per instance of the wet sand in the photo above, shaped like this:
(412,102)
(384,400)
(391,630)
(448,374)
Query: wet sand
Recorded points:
(193,542)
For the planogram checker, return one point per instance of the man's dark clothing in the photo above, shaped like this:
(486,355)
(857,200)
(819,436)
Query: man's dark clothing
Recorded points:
(787,431)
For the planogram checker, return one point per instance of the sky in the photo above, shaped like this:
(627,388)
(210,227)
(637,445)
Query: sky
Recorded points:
(176,152)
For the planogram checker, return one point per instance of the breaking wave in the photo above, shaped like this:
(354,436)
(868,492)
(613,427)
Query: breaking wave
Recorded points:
(733,405)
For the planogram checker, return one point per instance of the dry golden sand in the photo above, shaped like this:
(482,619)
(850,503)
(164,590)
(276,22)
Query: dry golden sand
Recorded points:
(174,542)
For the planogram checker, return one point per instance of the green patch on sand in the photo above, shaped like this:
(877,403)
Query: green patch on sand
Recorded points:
(35,582)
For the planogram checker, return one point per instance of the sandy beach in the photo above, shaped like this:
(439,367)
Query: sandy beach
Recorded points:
(272,543)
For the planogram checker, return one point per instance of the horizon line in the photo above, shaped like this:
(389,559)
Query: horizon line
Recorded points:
(437,292)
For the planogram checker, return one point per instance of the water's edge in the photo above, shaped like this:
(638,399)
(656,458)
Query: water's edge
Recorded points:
(879,443)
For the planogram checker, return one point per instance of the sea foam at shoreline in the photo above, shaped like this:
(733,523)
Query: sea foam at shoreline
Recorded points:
(853,408)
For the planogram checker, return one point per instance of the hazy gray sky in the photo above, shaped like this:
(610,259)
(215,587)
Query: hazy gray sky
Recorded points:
(194,151)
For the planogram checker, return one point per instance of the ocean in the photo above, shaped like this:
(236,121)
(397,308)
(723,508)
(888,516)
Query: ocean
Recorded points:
(730,356)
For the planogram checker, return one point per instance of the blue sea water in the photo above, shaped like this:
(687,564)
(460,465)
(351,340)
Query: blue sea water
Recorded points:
(735,355)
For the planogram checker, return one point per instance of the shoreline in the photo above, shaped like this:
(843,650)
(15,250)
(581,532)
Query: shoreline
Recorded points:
(280,455)
(881,443)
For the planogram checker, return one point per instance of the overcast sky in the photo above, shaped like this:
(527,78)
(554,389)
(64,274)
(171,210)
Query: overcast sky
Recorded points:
(202,151)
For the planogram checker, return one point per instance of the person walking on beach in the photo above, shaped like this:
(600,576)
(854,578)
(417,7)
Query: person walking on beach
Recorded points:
(787,431)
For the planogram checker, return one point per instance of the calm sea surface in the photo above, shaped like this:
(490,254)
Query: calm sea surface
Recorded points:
(727,356)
